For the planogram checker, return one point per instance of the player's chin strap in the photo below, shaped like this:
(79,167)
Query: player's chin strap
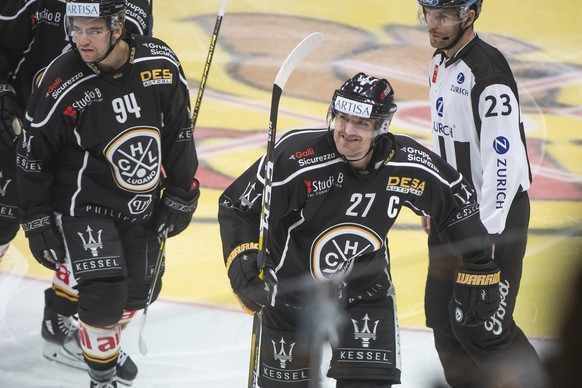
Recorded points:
(357,160)
(110,49)
(458,36)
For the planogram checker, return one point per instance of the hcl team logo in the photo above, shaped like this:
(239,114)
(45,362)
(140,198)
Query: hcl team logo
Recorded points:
(440,106)
(135,158)
(501,145)
(333,252)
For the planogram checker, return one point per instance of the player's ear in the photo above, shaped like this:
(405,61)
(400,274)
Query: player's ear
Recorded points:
(118,31)
(471,16)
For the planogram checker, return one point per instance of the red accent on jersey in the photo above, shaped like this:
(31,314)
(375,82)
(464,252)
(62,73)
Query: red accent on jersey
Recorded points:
(63,274)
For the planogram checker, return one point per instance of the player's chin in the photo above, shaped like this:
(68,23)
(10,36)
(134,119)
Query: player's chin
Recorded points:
(87,55)
(437,42)
(350,151)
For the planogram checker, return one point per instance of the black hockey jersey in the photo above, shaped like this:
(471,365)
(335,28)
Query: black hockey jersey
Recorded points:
(327,218)
(95,144)
(477,126)
(32,34)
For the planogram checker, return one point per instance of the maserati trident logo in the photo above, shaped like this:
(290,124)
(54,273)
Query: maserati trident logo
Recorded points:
(283,355)
(90,243)
(4,185)
(465,195)
(26,139)
(365,334)
(247,200)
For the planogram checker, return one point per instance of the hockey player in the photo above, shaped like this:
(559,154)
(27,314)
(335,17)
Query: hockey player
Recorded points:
(39,26)
(107,119)
(477,127)
(336,192)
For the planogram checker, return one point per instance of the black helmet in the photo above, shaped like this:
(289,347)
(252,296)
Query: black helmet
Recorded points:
(462,5)
(365,96)
(112,10)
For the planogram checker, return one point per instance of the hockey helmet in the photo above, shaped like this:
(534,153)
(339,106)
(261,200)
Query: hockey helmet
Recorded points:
(365,96)
(112,10)
(462,6)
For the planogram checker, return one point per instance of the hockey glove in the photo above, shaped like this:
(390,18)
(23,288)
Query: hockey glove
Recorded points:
(45,240)
(176,209)
(243,272)
(10,116)
(476,295)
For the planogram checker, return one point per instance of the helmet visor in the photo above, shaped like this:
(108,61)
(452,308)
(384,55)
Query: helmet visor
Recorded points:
(442,15)
(356,126)
(445,17)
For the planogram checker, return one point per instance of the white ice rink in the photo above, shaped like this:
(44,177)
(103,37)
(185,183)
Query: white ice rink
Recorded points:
(189,345)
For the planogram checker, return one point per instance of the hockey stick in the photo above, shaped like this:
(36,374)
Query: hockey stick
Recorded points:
(302,50)
(208,62)
(151,22)
(142,345)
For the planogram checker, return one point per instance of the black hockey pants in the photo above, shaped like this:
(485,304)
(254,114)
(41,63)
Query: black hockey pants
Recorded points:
(497,351)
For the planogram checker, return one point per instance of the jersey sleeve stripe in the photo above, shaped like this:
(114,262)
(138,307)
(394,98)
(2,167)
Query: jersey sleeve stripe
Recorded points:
(433,173)
(54,107)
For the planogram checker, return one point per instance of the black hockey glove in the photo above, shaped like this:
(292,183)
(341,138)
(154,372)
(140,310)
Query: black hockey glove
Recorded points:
(176,209)
(45,240)
(10,116)
(243,272)
(476,295)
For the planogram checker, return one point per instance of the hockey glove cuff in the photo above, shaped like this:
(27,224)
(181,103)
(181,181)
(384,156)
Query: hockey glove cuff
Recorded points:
(45,240)
(10,116)
(176,209)
(243,272)
(476,295)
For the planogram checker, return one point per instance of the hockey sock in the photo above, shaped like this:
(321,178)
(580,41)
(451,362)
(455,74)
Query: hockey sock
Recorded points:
(64,285)
(100,346)
(126,317)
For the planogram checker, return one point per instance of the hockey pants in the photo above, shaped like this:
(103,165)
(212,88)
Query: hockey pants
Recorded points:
(497,351)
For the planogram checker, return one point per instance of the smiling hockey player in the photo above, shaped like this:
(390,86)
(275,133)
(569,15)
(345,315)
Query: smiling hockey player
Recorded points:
(336,193)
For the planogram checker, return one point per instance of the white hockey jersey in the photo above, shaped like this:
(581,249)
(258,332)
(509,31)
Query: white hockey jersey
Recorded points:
(477,126)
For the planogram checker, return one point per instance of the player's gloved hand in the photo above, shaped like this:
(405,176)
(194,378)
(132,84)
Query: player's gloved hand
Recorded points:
(10,116)
(476,295)
(243,272)
(176,209)
(45,240)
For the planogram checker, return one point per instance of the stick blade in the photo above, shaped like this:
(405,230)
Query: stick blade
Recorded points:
(303,49)
(222,7)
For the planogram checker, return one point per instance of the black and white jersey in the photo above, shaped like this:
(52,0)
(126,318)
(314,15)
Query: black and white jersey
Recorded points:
(477,126)
(325,218)
(32,34)
(96,143)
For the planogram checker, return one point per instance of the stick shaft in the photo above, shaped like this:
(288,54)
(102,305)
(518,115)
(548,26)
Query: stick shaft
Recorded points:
(304,48)
(208,62)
